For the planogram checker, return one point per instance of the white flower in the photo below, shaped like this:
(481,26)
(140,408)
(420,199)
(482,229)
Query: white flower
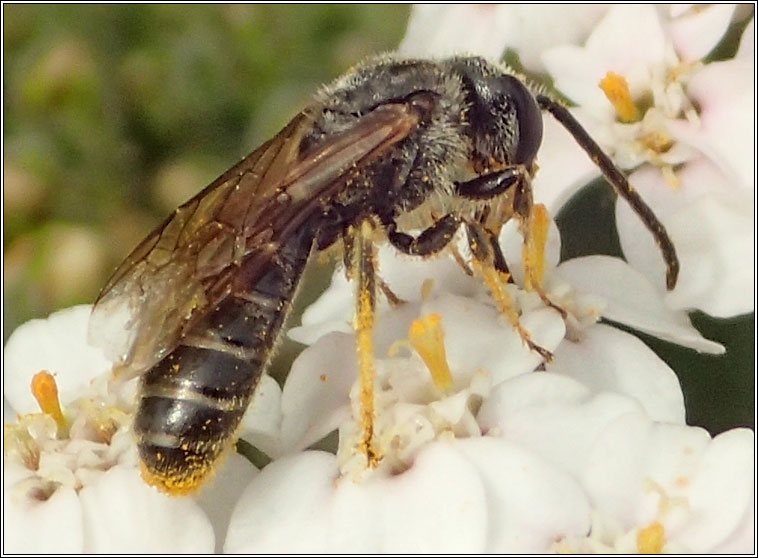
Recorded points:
(71,481)
(441,486)
(438,30)
(500,462)
(587,453)
(711,223)
(692,133)
(459,496)
(653,486)
(672,111)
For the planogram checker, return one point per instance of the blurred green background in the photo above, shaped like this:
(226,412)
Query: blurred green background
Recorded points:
(116,114)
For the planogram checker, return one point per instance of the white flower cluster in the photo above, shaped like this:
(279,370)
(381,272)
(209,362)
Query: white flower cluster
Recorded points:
(587,453)
(684,125)
(590,455)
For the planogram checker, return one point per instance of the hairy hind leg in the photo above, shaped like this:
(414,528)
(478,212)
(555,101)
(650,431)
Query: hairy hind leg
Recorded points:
(494,279)
(360,259)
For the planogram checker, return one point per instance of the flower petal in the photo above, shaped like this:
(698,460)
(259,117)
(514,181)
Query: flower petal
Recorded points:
(742,539)
(298,504)
(610,38)
(629,451)
(727,118)
(419,511)
(747,42)
(496,347)
(315,396)
(283,509)
(531,29)
(698,489)
(530,502)
(262,422)
(711,228)
(697,32)
(606,359)
(405,275)
(57,344)
(315,399)
(219,495)
(577,71)
(124,515)
(445,30)
(720,492)
(51,526)
(552,415)
(333,311)
(564,167)
(633,300)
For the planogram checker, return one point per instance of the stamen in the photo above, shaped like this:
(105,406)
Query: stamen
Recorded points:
(426,289)
(669,175)
(657,141)
(616,89)
(45,391)
(397,345)
(534,255)
(651,539)
(428,339)
(18,441)
(104,421)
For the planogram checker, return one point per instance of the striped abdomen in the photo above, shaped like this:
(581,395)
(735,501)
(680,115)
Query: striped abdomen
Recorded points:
(192,401)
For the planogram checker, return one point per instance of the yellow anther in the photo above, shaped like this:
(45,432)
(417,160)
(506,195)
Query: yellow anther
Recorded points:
(45,391)
(534,252)
(616,89)
(651,539)
(657,141)
(428,339)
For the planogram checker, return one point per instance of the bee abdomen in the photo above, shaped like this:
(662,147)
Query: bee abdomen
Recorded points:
(191,402)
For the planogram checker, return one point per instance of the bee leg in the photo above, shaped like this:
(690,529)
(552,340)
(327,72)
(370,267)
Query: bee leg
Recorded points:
(498,259)
(534,225)
(461,261)
(362,268)
(488,186)
(481,246)
(389,294)
(430,241)
(347,256)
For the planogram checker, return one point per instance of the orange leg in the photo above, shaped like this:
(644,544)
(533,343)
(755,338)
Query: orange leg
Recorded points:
(362,260)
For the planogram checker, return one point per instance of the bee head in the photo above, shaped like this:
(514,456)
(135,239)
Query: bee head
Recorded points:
(504,120)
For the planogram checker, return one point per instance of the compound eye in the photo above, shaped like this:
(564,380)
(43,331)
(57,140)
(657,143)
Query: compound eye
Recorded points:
(529,119)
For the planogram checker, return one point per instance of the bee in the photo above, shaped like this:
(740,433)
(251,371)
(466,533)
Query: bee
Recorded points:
(197,307)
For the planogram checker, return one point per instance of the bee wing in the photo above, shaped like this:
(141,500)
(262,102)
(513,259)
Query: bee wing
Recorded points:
(187,265)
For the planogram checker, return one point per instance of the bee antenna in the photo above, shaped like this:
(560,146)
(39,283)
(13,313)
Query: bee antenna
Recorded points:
(619,182)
